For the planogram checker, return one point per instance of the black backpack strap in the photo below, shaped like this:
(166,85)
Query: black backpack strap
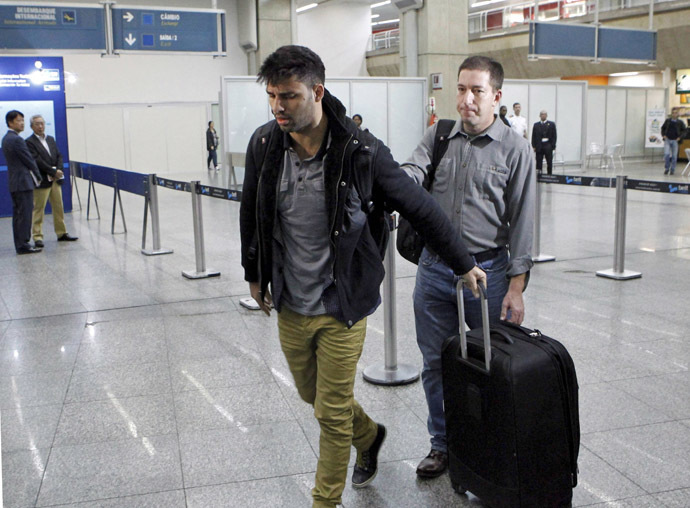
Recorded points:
(440,146)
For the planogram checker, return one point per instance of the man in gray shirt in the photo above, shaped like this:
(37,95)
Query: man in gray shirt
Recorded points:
(486,184)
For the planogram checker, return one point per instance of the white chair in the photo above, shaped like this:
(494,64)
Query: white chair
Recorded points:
(595,150)
(611,153)
(687,166)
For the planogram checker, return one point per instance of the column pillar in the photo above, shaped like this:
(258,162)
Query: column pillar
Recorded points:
(442,46)
(275,27)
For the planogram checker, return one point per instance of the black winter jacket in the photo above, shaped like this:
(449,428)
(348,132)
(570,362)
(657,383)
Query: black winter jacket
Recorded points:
(355,161)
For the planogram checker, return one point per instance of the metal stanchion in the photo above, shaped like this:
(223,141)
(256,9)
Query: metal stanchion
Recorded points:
(391,373)
(95,200)
(618,272)
(73,181)
(201,271)
(152,204)
(540,258)
(116,198)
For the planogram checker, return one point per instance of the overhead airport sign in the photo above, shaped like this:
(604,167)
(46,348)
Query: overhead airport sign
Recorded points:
(591,42)
(44,26)
(160,29)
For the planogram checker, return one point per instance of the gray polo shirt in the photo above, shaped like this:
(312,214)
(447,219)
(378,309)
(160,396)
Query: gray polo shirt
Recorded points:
(486,185)
(302,230)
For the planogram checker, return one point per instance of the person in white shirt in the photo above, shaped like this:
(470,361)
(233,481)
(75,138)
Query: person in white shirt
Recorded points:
(518,123)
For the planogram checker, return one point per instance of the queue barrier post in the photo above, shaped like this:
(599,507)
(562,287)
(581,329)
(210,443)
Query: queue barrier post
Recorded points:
(391,373)
(618,272)
(539,258)
(201,271)
(152,205)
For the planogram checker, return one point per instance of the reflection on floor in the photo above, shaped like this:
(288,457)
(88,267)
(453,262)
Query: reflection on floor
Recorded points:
(124,384)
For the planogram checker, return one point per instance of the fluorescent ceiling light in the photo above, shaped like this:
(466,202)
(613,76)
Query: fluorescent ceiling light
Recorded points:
(379,4)
(374,16)
(616,74)
(306,7)
(485,2)
(386,22)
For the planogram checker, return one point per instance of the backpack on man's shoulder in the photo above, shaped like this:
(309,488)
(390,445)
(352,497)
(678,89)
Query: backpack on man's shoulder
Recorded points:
(410,243)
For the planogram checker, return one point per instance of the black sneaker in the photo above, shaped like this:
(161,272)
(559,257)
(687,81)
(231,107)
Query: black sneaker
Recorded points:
(367,462)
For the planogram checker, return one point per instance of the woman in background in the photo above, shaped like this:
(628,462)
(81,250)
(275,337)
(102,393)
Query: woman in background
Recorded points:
(212,146)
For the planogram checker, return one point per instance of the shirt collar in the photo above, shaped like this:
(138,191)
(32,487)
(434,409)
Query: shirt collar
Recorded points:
(495,131)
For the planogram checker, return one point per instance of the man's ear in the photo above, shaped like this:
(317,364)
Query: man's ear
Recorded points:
(319,91)
(497,96)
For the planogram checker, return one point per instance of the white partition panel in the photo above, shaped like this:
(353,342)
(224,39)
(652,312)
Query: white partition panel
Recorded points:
(105,140)
(596,116)
(76,134)
(635,122)
(341,90)
(656,98)
(406,114)
(151,157)
(370,99)
(615,116)
(245,107)
(393,109)
(541,97)
(569,109)
(185,137)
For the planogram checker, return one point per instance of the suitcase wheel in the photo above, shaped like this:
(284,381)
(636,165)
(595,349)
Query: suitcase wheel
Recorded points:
(459,489)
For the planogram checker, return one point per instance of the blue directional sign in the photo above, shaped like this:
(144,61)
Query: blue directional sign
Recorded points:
(47,26)
(159,29)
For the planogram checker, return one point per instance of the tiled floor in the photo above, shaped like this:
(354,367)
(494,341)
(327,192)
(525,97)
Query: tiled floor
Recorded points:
(123,384)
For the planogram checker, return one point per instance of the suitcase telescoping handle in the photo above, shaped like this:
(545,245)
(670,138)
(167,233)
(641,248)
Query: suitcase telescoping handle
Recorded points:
(485,324)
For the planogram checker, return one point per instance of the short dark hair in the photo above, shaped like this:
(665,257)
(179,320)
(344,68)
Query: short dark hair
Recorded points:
(209,123)
(484,63)
(292,61)
(516,104)
(11,115)
(357,115)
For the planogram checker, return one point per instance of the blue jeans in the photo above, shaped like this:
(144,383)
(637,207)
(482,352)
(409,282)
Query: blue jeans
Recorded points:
(670,154)
(436,319)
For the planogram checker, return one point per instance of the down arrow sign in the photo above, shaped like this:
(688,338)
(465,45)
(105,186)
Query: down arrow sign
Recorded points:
(130,40)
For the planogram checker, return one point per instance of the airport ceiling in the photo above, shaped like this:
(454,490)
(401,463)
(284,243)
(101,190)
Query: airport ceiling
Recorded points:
(385,12)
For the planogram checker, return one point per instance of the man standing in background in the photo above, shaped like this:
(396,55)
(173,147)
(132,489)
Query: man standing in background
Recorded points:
(672,131)
(49,161)
(544,141)
(518,123)
(23,177)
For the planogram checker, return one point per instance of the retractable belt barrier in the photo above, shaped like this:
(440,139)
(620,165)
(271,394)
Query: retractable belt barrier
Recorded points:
(197,190)
(622,184)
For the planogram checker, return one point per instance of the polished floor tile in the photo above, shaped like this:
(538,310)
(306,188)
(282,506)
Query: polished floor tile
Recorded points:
(117,418)
(29,428)
(115,468)
(245,453)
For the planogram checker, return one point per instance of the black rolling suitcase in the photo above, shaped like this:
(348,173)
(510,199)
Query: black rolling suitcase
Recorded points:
(511,415)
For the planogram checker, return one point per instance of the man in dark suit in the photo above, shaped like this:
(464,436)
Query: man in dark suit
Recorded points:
(49,161)
(23,177)
(544,141)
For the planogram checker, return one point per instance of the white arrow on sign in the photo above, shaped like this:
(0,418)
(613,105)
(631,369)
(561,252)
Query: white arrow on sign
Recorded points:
(128,16)
(130,40)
